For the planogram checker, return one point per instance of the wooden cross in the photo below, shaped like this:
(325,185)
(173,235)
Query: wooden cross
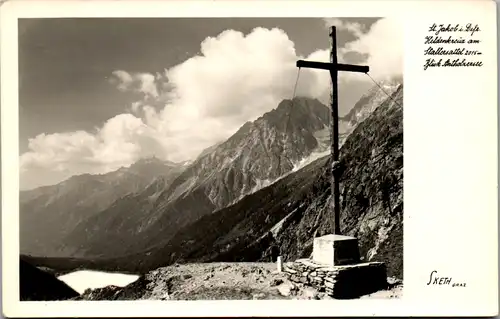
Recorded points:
(334,68)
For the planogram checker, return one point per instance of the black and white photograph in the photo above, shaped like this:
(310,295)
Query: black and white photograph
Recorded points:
(210,158)
(249,158)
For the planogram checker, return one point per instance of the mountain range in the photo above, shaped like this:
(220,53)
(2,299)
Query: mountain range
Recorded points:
(265,186)
(49,214)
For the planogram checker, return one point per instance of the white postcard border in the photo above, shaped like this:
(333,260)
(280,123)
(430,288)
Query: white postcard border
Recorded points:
(450,186)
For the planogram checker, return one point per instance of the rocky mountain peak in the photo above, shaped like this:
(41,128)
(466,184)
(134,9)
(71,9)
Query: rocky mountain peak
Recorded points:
(297,106)
(293,116)
(151,163)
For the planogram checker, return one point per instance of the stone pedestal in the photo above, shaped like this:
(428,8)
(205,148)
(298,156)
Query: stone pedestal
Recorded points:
(335,250)
(340,282)
(336,268)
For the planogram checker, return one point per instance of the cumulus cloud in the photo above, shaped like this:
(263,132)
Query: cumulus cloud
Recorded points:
(119,142)
(134,107)
(342,24)
(234,78)
(144,83)
(381,48)
(123,80)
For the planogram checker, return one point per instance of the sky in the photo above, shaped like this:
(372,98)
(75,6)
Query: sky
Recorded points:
(99,94)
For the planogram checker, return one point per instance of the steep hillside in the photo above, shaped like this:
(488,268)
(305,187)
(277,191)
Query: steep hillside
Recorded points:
(259,153)
(371,193)
(49,214)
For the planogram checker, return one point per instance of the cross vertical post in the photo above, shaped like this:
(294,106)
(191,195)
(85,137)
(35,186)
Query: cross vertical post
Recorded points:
(334,67)
(335,187)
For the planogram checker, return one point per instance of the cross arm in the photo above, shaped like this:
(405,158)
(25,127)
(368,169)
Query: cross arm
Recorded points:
(332,66)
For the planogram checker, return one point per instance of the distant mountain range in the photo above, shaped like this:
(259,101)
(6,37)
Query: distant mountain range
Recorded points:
(264,186)
(132,208)
(49,214)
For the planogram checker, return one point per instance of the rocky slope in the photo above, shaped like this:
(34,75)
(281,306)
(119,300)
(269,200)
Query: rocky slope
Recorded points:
(49,214)
(218,281)
(259,153)
(371,193)
(37,285)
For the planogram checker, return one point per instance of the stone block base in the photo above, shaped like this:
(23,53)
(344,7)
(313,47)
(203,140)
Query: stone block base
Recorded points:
(340,282)
(333,250)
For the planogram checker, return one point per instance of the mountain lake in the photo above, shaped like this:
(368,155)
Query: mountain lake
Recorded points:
(83,279)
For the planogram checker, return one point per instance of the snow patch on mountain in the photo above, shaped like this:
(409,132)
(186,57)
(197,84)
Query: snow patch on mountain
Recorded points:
(261,184)
(308,160)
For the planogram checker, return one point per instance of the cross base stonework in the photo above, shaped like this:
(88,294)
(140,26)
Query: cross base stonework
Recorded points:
(335,268)
(340,282)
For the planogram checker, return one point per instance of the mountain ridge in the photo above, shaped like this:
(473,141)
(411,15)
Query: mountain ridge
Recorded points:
(50,213)
(261,150)
(240,165)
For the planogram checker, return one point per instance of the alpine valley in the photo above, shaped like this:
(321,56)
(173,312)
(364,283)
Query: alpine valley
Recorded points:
(264,187)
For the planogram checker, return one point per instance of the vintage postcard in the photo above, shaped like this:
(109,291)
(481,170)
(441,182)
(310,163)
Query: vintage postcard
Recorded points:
(249,158)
